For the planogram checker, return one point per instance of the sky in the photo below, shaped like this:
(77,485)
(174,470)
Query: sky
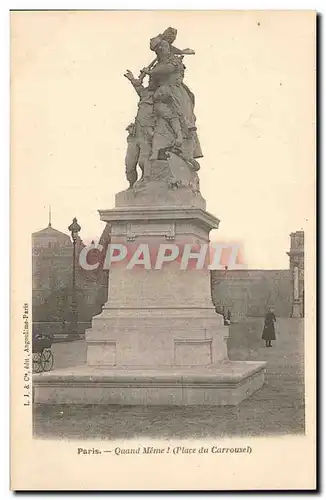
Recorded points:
(253,77)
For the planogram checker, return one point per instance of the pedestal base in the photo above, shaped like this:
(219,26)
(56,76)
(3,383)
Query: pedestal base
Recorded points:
(296,310)
(227,384)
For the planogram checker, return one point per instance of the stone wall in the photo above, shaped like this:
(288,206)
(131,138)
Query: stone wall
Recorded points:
(251,292)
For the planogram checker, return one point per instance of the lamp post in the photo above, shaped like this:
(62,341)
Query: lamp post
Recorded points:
(74,228)
(216,283)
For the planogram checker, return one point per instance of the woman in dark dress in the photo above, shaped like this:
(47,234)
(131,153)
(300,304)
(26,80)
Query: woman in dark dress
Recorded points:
(269,329)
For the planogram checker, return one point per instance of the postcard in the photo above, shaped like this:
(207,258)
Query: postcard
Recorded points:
(163,299)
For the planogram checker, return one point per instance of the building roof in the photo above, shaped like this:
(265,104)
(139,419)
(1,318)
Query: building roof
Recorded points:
(106,235)
(51,235)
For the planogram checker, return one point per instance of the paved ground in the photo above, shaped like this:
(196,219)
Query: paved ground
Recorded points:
(278,408)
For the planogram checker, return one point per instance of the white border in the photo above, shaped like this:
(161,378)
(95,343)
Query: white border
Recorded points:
(5,6)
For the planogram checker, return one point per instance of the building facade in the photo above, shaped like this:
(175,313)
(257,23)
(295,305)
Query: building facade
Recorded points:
(296,255)
(52,259)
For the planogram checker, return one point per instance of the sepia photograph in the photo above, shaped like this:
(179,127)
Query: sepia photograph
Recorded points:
(163,225)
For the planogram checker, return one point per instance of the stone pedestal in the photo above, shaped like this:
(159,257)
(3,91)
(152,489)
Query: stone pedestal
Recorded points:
(296,309)
(158,340)
(228,383)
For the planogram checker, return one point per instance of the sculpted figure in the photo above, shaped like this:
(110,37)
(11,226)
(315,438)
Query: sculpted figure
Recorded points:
(169,36)
(165,121)
(173,103)
(141,131)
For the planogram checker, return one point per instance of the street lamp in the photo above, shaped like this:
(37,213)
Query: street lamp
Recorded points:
(74,228)
(217,283)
